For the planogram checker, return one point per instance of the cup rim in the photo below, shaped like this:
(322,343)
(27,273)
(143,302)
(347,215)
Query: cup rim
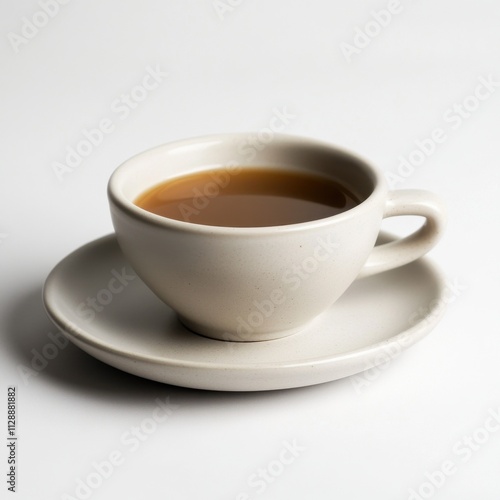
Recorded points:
(123,171)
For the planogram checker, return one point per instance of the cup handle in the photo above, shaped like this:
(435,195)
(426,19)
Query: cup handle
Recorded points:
(400,252)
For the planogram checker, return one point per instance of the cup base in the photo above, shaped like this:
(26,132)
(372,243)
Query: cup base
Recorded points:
(243,336)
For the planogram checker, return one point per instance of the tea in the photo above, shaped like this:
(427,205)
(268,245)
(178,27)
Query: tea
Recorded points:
(248,197)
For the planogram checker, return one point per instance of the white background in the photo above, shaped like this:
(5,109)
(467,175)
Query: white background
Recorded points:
(225,73)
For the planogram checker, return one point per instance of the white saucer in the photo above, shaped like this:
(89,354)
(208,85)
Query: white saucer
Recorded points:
(135,332)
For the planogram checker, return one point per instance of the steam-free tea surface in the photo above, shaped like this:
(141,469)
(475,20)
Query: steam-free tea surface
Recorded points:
(249,197)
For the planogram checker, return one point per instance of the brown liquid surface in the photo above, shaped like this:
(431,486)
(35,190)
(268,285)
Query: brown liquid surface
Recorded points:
(250,197)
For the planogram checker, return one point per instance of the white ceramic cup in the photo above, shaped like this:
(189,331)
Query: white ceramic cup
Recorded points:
(261,283)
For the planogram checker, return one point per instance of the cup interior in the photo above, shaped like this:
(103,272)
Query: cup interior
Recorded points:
(157,165)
